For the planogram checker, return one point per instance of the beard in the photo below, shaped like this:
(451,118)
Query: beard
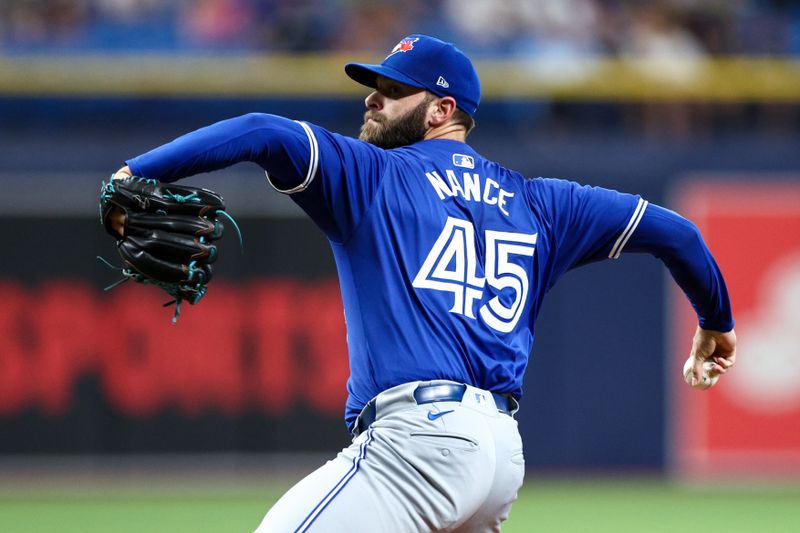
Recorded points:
(392,133)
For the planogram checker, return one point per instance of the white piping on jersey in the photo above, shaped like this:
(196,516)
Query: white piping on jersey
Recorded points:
(616,250)
(312,163)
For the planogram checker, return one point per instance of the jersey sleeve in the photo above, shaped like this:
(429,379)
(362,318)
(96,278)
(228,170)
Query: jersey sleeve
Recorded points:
(677,242)
(277,144)
(584,223)
(332,177)
(343,177)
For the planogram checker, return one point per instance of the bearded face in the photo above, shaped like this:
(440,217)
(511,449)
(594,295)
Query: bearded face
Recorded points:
(389,133)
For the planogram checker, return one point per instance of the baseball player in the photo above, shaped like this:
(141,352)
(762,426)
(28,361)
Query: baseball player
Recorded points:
(444,258)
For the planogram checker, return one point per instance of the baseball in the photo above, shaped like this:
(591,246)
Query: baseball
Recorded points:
(707,380)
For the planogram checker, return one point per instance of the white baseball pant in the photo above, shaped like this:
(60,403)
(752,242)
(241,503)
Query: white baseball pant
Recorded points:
(441,466)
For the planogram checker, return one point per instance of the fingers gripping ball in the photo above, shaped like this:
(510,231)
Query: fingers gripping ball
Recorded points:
(164,234)
(707,380)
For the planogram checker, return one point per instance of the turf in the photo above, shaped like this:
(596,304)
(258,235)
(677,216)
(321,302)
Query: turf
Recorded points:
(552,506)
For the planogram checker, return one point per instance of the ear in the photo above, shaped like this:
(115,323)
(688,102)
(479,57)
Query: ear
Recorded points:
(442,111)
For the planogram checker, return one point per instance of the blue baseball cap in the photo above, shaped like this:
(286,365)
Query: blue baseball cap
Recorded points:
(430,64)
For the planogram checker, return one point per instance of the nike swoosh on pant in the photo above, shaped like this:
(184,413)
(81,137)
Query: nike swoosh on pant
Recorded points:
(434,416)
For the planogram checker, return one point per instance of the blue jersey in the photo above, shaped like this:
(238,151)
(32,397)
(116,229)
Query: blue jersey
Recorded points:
(444,257)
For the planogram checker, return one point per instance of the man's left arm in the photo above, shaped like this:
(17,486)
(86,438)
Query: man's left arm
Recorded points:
(679,245)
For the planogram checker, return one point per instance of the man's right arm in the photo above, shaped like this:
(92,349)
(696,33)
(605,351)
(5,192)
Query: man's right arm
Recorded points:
(679,245)
(591,223)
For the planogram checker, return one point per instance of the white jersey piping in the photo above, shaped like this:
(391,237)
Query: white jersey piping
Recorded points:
(312,163)
(616,250)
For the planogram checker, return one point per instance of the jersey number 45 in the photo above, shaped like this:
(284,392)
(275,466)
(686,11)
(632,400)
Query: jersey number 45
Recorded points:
(452,266)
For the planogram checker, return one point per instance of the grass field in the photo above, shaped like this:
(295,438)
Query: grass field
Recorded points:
(547,506)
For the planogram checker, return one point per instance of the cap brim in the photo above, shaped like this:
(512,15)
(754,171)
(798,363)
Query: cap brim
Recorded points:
(366,74)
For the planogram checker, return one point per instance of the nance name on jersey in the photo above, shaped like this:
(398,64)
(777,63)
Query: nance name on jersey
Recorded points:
(470,188)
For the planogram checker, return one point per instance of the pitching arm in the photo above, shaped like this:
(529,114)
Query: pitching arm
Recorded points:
(678,244)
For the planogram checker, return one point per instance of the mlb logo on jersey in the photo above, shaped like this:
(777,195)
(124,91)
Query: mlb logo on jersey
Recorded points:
(463,161)
(403,46)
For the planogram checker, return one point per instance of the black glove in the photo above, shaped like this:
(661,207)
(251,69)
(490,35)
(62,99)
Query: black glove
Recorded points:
(164,233)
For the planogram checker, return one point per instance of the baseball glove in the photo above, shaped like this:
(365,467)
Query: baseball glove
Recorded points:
(164,234)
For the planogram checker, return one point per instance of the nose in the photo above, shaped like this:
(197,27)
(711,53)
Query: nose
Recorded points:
(373,101)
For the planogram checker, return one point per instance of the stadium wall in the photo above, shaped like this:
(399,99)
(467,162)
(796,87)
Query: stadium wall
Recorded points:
(85,371)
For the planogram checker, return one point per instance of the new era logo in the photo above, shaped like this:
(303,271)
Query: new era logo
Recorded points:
(463,161)
(441,82)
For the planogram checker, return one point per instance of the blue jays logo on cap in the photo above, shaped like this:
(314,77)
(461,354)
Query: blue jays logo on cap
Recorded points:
(403,46)
(432,64)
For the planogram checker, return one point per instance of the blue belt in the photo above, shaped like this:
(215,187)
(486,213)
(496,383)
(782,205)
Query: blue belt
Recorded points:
(443,392)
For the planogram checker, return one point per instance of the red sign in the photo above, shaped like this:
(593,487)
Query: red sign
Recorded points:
(264,346)
(749,423)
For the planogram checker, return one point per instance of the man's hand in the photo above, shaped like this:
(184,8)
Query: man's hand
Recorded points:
(713,346)
(124,172)
(117,215)
(118,219)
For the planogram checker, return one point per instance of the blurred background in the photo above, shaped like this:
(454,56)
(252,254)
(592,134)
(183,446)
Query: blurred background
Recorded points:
(113,419)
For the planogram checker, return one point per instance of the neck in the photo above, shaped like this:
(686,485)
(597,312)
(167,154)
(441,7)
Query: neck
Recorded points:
(453,132)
